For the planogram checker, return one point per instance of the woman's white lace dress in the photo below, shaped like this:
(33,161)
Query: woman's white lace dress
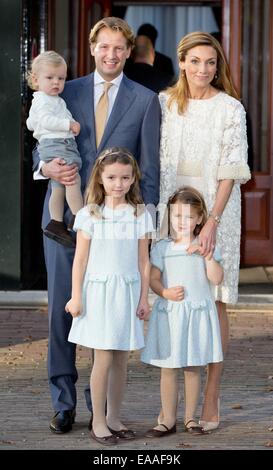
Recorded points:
(207,144)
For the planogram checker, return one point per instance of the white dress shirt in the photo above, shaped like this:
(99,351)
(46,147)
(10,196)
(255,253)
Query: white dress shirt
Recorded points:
(112,92)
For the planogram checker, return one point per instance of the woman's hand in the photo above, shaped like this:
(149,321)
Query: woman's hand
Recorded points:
(74,308)
(176,294)
(143,309)
(207,237)
(198,249)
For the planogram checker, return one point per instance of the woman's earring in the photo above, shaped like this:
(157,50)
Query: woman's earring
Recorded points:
(216,76)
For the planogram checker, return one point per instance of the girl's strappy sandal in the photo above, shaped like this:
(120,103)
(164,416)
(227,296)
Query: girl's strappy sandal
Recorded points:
(196,430)
(159,433)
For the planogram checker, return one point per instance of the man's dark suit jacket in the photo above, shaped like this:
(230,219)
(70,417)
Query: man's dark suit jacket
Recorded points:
(134,123)
(149,76)
(164,63)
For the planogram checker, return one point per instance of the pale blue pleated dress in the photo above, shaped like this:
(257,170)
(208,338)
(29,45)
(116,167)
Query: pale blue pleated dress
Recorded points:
(111,288)
(185,333)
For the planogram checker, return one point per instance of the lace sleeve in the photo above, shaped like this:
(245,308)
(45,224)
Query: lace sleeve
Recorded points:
(233,161)
(167,157)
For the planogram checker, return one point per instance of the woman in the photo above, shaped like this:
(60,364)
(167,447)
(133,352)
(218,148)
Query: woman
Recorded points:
(204,145)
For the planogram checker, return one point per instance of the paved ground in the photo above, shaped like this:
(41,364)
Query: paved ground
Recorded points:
(246,400)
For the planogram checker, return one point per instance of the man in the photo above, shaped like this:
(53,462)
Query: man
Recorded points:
(142,69)
(133,121)
(161,62)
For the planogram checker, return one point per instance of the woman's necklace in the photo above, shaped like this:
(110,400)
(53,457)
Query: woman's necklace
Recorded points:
(203,95)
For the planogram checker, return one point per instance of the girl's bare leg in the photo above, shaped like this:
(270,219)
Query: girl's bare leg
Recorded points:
(98,384)
(169,394)
(192,382)
(115,390)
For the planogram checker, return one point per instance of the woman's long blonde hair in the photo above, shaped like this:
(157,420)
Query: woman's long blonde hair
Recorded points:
(179,93)
(95,193)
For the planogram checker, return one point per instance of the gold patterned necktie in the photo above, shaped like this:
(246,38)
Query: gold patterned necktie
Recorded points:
(101,112)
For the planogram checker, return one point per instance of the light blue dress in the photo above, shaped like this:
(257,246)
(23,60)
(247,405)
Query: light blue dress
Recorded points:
(111,288)
(184,333)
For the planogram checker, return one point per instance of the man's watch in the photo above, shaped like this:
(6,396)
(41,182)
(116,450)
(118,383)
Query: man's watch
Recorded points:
(216,218)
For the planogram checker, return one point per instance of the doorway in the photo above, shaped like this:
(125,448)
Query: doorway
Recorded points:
(245,28)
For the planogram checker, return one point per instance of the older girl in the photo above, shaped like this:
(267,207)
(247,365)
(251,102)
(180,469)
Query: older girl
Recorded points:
(110,281)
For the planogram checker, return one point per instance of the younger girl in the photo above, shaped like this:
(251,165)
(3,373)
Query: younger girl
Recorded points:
(110,281)
(184,328)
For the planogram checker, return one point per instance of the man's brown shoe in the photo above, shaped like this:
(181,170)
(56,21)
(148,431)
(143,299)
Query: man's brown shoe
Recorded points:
(62,421)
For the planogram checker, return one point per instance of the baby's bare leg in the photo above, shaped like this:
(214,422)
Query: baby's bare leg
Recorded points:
(74,196)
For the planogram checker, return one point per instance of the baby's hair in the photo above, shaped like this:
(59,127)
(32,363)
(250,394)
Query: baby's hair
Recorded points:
(189,195)
(95,194)
(45,58)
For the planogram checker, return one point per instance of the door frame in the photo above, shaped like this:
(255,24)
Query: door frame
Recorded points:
(257,243)
(257,194)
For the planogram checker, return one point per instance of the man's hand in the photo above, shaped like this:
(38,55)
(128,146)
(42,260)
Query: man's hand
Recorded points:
(75,127)
(57,170)
(175,294)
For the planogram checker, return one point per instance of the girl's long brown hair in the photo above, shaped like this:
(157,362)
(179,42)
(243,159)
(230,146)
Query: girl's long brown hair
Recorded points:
(179,93)
(188,195)
(95,194)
